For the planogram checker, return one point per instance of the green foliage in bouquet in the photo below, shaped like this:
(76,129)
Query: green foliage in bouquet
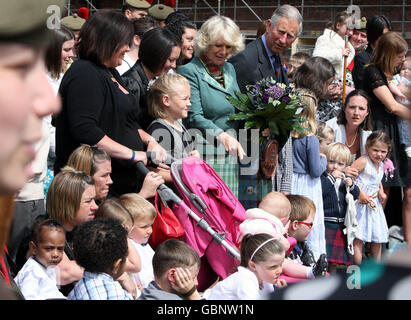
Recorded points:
(268,104)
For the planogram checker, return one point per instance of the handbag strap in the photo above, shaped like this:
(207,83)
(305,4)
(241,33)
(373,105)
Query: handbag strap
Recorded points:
(155,203)
(162,206)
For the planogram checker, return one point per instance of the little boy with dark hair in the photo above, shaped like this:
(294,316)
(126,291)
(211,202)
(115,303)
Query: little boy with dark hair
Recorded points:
(100,247)
(176,266)
(38,278)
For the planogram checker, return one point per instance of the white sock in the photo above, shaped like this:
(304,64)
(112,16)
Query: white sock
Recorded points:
(310,273)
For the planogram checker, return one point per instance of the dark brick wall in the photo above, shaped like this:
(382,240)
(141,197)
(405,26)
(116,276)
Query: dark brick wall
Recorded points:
(316,13)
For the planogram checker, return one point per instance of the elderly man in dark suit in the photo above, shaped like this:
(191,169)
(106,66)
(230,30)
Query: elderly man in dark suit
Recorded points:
(261,59)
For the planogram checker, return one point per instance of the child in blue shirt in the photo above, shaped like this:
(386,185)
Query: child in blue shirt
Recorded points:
(308,165)
(311,80)
(100,247)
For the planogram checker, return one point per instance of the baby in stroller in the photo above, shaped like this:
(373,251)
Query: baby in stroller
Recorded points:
(273,217)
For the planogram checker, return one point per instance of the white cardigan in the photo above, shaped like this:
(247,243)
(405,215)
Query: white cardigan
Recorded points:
(329,46)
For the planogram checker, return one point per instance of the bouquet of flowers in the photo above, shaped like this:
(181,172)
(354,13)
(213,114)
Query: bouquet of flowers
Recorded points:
(268,104)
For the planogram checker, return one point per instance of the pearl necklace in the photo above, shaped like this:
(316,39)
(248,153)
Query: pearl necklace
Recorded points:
(350,145)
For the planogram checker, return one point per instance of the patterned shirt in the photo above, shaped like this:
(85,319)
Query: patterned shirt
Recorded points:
(98,286)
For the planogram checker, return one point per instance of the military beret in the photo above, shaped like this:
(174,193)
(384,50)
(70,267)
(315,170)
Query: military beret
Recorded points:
(138,4)
(160,11)
(73,22)
(35,19)
(83,12)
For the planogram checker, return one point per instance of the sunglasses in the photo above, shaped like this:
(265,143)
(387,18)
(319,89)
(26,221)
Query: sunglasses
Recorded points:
(310,225)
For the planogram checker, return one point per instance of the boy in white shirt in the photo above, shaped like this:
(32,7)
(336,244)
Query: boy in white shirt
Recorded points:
(37,280)
(143,213)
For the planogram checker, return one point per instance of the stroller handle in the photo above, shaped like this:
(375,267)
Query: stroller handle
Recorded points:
(167,194)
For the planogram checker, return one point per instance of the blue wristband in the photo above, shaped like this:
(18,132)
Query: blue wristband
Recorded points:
(132,157)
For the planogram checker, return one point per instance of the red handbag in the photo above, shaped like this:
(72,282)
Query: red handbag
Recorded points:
(166,225)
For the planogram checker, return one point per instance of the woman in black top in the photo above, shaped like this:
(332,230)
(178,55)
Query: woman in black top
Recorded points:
(388,55)
(97,109)
(376,26)
(158,53)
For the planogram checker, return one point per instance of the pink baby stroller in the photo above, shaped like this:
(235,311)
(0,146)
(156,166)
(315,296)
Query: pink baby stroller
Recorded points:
(209,213)
(214,229)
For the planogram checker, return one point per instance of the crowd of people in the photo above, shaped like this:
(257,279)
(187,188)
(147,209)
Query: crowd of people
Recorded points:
(80,105)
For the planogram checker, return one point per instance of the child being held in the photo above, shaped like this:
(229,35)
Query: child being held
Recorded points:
(112,208)
(176,266)
(100,247)
(37,280)
(334,182)
(143,214)
(262,256)
(301,222)
(400,86)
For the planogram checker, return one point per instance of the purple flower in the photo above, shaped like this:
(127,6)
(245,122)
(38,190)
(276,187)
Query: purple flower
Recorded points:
(265,96)
(275,92)
(286,99)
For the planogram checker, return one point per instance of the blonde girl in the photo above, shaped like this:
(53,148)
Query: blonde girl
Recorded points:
(311,80)
(325,135)
(143,214)
(168,103)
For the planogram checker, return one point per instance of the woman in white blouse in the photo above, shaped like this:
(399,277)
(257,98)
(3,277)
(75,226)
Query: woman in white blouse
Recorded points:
(353,125)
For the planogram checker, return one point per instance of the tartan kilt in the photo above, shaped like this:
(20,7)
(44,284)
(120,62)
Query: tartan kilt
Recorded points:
(252,187)
(227,169)
(336,244)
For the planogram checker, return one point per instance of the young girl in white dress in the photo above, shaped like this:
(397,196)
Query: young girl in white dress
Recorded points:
(308,165)
(312,79)
(372,224)
(262,257)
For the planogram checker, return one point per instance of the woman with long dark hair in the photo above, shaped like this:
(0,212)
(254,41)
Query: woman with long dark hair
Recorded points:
(58,54)
(376,26)
(353,124)
(97,107)
(158,53)
(58,58)
(388,55)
